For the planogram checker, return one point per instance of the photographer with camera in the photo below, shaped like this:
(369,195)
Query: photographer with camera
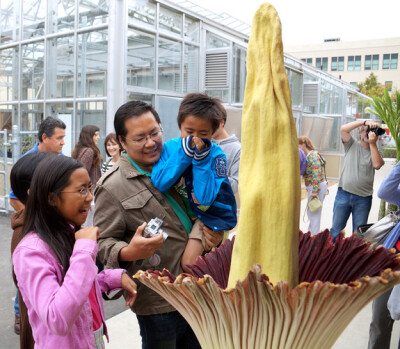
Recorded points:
(361,159)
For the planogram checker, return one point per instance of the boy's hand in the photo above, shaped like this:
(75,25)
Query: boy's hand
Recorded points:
(198,142)
(140,247)
(129,285)
(91,233)
(212,238)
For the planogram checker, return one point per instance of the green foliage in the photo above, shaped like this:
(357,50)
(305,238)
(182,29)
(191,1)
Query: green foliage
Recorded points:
(390,152)
(371,87)
(389,112)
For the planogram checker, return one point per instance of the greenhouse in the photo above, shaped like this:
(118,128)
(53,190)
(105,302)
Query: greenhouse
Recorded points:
(80,60)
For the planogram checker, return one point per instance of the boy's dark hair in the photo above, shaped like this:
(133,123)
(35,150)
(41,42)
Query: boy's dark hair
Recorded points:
(51,176)
(22,173)
(202,106)
(111,137)
(130,110)
(48,126)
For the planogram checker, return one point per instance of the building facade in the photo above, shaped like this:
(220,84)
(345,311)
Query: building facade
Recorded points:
(354,61)
(80,60)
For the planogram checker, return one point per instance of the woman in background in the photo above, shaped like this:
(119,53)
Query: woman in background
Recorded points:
(113,151)
(88,153)
(315,181)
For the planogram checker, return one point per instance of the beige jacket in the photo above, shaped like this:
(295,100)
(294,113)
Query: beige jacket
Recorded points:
(124,199)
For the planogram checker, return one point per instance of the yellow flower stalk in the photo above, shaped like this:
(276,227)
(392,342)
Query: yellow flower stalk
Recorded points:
(269,172)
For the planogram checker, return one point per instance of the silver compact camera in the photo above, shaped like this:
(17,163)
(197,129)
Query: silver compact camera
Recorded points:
(153,229)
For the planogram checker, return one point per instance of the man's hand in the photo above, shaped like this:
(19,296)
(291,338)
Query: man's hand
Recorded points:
(212,238)
(140,247)
(129,285)
(91,233)
(372,137)
(371,124)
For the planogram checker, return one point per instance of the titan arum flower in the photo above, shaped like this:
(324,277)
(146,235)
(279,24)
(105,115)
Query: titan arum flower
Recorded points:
(314,287)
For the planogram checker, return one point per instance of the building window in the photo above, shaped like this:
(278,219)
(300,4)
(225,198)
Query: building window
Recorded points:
(353,63)
(307,60)
(322,63)
(390,61)
(388,85)
(337,63)
(375,62)
(368,62)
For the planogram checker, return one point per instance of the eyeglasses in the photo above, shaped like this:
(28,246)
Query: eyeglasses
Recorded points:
(84,191)
(155,136)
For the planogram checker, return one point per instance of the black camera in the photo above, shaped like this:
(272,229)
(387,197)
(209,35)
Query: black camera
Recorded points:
(377,130)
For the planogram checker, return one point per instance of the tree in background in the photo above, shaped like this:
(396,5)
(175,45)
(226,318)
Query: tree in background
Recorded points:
(371,87)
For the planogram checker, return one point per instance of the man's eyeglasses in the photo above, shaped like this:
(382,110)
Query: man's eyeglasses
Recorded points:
(84,191)
(155,136)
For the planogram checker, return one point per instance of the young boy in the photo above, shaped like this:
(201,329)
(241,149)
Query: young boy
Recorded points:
(198,169)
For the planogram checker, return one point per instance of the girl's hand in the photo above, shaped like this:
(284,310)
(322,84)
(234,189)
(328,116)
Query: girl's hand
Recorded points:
(198,142)
(129,285)
(314,195)
(91,233)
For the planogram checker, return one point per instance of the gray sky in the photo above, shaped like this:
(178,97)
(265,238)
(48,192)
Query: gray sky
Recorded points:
(310,21)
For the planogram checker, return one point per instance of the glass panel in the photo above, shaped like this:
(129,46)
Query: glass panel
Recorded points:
(318,63)
(309,60)
(32,70)
(239,73)
(357,65)
(192,29)
(9,23)
(386,60)
(31,116)
(167,108)
(309,78)
(169,65)
(170,20)
(34,13)
(142,11)
(325,63)
(222,94)
(375,62)
(215,41)
(61,15)
(393,61)
(341,64)
(9,74)
(7,112)
(60,67)
(323,132)
(91,113)
(350,63)
(92,64)
(367,64)
(334,64)
(140,59)
(191,69)
(92,12)
(135,96)
(296,87)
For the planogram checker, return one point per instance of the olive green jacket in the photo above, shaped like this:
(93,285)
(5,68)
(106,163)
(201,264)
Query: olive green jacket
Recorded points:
(124,199)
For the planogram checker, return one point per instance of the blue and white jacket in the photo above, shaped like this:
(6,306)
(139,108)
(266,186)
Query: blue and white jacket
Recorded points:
(208,189)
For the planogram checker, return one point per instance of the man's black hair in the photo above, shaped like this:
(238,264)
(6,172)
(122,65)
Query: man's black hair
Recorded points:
(48,126)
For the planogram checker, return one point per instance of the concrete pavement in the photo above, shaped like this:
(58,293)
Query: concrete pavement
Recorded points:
(124,330)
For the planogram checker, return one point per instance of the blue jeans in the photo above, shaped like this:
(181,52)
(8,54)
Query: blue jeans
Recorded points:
(346,203)
(16,305)
(166,331)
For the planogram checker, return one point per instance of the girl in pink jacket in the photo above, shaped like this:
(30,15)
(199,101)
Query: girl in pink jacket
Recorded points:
(55,261)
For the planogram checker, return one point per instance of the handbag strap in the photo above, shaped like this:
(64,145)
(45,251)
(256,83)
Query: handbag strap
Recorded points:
(323,162)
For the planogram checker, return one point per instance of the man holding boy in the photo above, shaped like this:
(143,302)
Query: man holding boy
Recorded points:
(125,198)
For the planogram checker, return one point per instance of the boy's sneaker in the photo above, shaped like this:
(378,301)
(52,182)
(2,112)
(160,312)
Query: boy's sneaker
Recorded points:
(17,324)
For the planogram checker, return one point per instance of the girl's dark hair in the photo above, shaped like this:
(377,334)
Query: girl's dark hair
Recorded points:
(86,141)
(111,137)
(51,176)
(22,173)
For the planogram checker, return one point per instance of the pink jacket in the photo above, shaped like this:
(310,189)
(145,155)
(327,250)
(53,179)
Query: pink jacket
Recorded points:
(60,313)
